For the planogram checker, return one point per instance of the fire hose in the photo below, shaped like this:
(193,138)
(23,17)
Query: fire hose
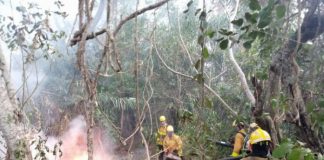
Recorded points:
(224,144)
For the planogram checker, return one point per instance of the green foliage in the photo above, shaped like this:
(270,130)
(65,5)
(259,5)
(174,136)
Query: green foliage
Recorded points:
(199,78)
(321,102)
(258,29)
(254,5)
(197,64)
(293,151)
(210,33)
(252,18)
(282,150)
(265,16)
(223,44)
(248,44)
(208,102)
(205,53)
(32,32)
(201,40)
(42,150)
(238,22)
(280,11)
(21,153)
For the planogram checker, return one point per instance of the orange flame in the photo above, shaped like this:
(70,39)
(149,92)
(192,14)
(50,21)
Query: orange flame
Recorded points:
(74,145)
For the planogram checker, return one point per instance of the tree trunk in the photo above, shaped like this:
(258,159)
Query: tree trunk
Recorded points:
(11,118)
(283,77)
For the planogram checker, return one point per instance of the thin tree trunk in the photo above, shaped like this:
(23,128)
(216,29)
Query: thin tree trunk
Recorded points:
(237,68)
(11,118)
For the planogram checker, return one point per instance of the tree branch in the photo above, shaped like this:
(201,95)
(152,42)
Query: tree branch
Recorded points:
(238,69)
(191,77)
(76,37)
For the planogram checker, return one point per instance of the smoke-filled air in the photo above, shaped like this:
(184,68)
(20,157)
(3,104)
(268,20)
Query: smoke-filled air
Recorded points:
(161,79)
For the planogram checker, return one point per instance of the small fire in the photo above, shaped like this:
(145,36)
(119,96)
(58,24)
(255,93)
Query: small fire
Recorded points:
(74,140)
(84,156)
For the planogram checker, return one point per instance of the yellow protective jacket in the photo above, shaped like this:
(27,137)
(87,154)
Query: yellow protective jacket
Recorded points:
(171,144)
(259,135)
(161,134)
(239,142)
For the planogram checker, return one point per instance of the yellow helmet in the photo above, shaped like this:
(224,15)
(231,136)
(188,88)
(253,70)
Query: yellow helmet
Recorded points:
(162,118)
(170,128)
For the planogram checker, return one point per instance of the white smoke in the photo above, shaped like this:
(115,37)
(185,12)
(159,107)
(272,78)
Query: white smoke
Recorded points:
(74,144)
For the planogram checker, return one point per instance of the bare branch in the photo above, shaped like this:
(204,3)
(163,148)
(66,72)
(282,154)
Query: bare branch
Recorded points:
(137,13)
(146,145)
(191,77)
(238,69)
(76,36)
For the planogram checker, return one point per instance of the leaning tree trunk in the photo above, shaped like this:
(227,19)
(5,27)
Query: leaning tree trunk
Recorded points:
(283,77)
(11,118)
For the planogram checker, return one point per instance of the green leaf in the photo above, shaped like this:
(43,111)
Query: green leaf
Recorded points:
(186,11)
(321,102)
(238,22)
(261,34)
(264,22)
(310,106)
(205,53)
(309,156)
(253,35)
(201,40)
(202,16)
(282,150)
(189,3)
(280,11)
(252,18)
(246,28)
(199,78)
(220,39)
(265,16)
(210,33)
(247,44)
(21,9)
(263,75)
(274,102)
(223,44)
(208,103)
(197,11)
(197,64)
(254,5)
(296,154)
(225,32)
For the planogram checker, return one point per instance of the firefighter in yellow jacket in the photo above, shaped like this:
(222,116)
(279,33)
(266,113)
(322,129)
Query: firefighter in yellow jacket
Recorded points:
(172,144)
(239,139)
(161,133)
(259,143)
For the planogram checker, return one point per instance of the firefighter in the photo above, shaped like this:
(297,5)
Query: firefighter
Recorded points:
(259,143)
(172,145)
(239,139)
(161,133)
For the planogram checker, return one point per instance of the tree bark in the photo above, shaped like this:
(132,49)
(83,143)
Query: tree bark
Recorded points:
(11,118)
(237,67)
(283,77)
